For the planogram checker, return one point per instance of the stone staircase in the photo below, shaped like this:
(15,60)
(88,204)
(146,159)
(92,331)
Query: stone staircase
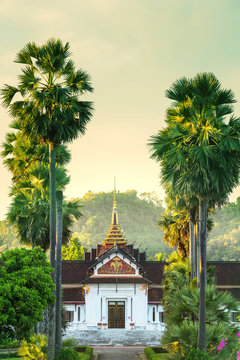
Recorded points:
(116,337)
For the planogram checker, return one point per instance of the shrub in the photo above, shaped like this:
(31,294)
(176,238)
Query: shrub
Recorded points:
(151,355)
(8,343)
(36,349)
(84,352)
(67,354)
(70,342)
(196,354)
(159,350)
(80,349)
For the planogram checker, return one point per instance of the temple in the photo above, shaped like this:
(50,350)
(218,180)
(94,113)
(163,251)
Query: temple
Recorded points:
(116,287)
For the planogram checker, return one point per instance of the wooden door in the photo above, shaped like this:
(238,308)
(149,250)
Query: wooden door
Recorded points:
(116,314)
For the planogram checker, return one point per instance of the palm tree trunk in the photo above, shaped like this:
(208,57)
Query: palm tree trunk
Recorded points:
(197,253)
(203,274)
(59,274)
(196,249)
(191,250)
(51,309)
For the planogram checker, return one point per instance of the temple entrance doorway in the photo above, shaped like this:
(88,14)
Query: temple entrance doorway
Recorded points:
(116,314)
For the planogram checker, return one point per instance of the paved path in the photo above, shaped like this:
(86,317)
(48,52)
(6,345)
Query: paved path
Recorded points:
(118,353)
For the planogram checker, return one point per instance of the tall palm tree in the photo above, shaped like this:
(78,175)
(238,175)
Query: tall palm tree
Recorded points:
(199,153)
(51,110)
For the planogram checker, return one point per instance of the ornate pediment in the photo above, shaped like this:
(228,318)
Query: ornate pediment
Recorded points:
(116,266)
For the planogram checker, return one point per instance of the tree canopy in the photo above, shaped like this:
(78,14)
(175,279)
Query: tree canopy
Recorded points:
(25,290)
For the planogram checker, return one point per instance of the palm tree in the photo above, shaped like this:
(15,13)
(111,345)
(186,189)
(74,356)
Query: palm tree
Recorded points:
(51,110)
(199,153)
(29,209)
(20,153)
(175,226)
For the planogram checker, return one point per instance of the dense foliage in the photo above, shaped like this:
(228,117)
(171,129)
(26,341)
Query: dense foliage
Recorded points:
(196,354)
(35,349)
(25,291)
(181,307)
(73,250)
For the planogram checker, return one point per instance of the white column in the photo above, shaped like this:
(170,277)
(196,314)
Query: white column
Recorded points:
(128,311)
(104,308)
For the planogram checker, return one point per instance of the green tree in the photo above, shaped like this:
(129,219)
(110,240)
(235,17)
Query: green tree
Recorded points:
(51,110)
(21,153)
(29,209)
(158,257)
(199,153)
(176,231)
(25,290)
(73,250)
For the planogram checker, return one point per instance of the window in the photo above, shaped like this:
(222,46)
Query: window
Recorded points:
(154,314)
(79,313)
(69,316)
(161,318)
(236,316)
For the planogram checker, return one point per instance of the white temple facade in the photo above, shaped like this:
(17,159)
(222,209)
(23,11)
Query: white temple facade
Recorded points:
(116,296)
(115,292)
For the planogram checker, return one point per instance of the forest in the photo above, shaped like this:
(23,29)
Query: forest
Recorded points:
(138,217)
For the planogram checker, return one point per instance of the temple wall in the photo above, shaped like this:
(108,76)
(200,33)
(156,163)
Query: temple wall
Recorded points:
(134,298)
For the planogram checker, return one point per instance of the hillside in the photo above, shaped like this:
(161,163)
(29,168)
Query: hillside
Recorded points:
(8,237)
(224,239)
(138,218)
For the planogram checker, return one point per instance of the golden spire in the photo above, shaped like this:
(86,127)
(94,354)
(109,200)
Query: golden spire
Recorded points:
(114,211)
(114,235)
(114,195)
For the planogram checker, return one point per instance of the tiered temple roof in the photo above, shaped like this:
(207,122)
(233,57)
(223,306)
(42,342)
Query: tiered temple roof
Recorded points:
(115,234)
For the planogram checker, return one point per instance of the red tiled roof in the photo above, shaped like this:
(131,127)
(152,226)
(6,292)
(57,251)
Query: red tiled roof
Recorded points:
(73,294)
(73,272)
(155,294)
(234,291)
(227,273)
(153,271)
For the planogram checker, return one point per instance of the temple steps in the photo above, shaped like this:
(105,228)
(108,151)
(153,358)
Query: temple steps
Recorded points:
(116,337)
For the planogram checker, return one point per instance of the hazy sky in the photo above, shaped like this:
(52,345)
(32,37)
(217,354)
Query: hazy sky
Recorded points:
(133,50)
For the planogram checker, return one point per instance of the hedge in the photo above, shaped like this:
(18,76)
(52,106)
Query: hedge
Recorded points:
(154,353)
(84,352)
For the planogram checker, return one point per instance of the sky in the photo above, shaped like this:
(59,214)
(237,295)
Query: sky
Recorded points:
(133,50)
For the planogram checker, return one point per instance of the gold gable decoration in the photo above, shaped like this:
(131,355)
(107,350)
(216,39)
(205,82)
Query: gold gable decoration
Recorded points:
(116,266)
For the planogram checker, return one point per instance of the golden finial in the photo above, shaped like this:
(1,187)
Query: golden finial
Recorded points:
(114,212)
(114,195)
